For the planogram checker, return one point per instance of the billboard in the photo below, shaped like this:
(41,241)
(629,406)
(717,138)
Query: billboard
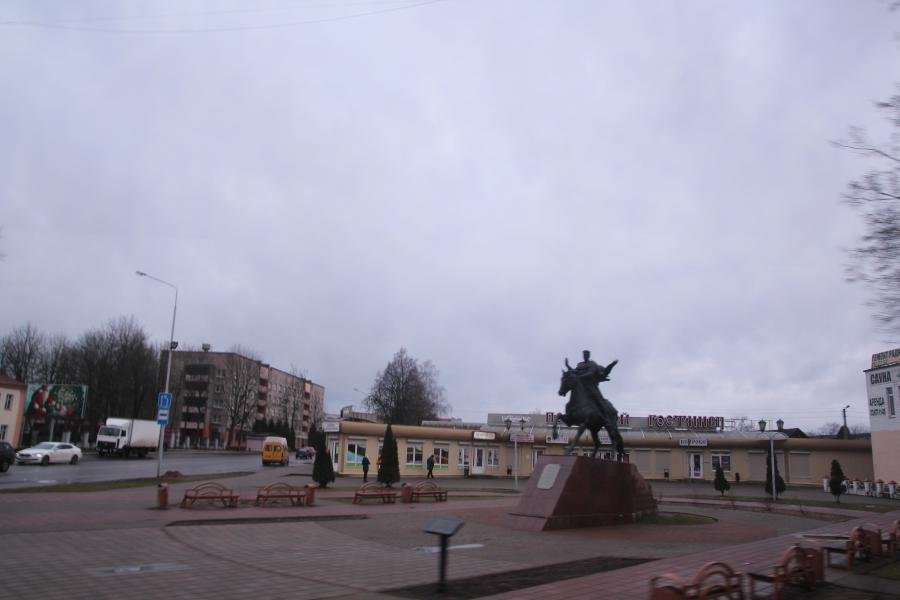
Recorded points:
(55,400)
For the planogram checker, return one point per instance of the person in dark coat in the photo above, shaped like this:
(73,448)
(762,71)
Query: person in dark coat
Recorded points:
(430,465)
(365,466)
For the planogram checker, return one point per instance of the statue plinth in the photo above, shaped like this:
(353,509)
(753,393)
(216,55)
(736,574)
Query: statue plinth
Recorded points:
(565,492)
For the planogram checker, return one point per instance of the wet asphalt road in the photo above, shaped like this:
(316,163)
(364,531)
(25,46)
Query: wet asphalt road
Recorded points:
(93,468)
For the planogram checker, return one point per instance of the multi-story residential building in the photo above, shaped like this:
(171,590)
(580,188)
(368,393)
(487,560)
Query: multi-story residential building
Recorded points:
(12,409)
(219,396)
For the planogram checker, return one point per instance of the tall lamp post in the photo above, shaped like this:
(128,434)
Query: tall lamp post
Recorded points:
(844,410)
(172,345)
(515,437)
(772,434)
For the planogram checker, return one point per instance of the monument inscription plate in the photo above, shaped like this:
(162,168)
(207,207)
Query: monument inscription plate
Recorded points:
(548,476)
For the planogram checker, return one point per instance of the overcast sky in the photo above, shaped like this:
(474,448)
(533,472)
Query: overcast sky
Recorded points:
(493,184)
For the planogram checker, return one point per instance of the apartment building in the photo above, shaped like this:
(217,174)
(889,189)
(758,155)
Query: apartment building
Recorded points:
(219,396)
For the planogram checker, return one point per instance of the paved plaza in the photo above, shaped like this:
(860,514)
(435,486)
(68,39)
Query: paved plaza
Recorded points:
(110,544)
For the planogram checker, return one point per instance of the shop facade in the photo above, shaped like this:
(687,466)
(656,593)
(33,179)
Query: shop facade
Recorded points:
(670,447)
(882,389)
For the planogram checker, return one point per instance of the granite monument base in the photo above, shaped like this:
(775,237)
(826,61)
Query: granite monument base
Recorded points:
(565,492)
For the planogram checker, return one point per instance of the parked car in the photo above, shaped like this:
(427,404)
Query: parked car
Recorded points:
(305,455)
(50,452)
(7,456)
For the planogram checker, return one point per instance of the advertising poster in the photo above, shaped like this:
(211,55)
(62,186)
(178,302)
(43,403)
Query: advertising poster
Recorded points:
(55,400)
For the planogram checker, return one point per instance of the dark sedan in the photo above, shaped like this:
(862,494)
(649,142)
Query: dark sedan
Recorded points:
(7,456)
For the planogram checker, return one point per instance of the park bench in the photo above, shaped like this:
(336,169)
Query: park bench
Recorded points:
(861,544)
(276,491)
(888,539)
(374,490)
(426,489)
(714,581)
(798,566)
(210,491)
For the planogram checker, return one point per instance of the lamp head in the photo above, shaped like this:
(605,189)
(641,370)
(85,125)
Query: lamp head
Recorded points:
(140,273)
(508,423)
(762,424)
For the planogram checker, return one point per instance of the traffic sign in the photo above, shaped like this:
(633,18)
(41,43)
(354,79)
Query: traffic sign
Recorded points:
(162,416)
(164,400)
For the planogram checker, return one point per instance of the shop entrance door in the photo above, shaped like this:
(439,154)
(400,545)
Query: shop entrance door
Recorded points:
(334,455)
(478,464)
(695,466)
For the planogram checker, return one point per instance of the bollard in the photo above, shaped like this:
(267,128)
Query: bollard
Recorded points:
(310,494)
(162,496)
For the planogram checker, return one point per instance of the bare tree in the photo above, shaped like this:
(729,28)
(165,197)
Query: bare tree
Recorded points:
(407,392)
(56,362)
(875,261)
(20,351)
(241,389)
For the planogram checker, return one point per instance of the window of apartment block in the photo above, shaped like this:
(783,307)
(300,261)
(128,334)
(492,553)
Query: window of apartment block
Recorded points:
(7,404)
(890,401)
(355,452)
(463,456)
(414,453)
(441,456)
(493,457)
(723,460)
(3,432)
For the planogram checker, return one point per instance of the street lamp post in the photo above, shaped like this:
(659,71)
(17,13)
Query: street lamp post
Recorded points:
(844,410)
(762,429)
(508,423)
(172,346)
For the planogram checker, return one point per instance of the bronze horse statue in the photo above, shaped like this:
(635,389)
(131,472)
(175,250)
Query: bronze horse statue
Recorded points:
(588,409)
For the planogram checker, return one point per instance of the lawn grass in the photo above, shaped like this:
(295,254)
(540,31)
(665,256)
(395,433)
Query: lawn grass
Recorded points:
(449,499)
(881,508)
(889,571)
(99,486)
(675,518)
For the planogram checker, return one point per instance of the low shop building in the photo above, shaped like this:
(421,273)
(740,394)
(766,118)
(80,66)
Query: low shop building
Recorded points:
(882,383)
(662,447)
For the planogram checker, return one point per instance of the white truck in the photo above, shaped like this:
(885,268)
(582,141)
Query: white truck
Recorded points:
(122,437)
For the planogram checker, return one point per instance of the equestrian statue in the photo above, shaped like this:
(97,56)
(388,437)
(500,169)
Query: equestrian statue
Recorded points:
(586,407)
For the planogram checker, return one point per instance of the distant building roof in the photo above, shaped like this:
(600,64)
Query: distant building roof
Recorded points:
(4,380)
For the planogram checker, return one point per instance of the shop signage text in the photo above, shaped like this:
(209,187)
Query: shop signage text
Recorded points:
(882,377)
(883,359)
(331,426)
(693,443)
(684,422)
(624,419)
(483,435)
(876,407)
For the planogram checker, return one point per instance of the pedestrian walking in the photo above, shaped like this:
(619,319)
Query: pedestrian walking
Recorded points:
(430,465)
(365,465)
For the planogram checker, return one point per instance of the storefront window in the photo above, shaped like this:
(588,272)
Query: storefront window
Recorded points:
(414,454)
(723,460)
(463,456)
(355,452)
(493,457)
(441,456)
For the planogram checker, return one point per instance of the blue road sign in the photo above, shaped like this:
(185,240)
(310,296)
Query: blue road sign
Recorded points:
(162,416)
(164,400)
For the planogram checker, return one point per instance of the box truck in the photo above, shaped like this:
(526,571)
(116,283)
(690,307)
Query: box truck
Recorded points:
(122,437)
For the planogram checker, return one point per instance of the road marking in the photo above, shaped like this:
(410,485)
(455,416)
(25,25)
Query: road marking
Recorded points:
(132,569)
(436,549)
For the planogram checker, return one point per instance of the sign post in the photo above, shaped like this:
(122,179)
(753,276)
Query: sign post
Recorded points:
(445,527)
(163,403)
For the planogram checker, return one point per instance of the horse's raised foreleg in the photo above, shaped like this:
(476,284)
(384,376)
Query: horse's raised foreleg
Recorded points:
(617,441)
(571,446)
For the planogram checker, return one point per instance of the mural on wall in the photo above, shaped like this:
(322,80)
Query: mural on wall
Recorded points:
(55,400)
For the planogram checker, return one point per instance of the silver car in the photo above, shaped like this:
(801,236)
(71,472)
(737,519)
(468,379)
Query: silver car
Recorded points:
(49,452)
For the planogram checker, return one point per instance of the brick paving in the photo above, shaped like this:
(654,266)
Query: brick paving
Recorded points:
(112,544)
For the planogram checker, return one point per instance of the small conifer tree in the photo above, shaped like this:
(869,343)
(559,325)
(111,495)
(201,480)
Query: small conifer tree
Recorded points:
(779,482)
(721,484)
(836,481)
(323,469)
(389,469)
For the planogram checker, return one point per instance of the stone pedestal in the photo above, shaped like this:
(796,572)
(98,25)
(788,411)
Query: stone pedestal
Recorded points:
(565,492)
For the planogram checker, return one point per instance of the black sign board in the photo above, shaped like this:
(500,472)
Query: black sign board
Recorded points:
(445,526)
